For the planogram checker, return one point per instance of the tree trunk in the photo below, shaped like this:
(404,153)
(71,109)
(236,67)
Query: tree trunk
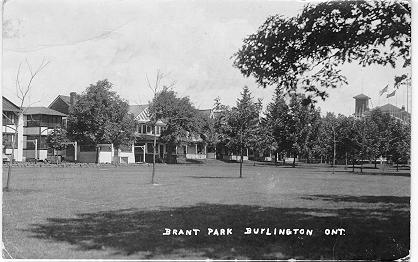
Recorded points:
(97,154)
(353,163)
(375,162)
(397,166)
(294,160)
(346,162)
(116,156)
(275,158)
(361,167)
(55,156)
(9,169)
(240,164)
(153,157)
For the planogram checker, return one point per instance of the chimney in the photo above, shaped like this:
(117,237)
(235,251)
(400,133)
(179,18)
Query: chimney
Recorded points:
(72,98)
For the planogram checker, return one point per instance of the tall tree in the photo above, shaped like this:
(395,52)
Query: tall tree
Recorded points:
(183,121)
(278,120)
(381,121)
(100,116)
(306,51)
(399,144)
(302,123)
(242,123)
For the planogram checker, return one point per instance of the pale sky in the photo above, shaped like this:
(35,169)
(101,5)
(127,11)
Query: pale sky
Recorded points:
(125,40)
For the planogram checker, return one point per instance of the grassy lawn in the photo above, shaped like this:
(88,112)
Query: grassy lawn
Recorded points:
(108,212)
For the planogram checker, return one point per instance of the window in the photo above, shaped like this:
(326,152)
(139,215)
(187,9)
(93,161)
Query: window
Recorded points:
(148,129)
(30,142)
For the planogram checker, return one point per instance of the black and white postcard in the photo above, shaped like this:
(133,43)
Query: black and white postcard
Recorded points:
(206,129)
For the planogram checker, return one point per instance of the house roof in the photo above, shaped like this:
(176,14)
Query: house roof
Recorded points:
(137,109)
(41,110)
(361,96)
(9,106)
(391,108)
(66,100)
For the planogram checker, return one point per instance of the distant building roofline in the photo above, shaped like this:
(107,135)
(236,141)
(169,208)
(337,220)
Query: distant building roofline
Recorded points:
(361,96)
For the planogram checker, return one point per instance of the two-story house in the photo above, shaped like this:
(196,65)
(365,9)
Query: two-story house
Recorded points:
(12,122)
(38,123)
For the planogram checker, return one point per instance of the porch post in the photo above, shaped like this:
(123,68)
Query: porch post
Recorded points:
(75,151)
(145,146)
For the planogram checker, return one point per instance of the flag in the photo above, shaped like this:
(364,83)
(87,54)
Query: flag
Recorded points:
(383,90)
(391,94)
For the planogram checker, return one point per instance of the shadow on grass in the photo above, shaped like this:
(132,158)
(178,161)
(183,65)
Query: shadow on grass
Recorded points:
(375,233)
(217,177)
(404,202)
(22,191)
(357,172)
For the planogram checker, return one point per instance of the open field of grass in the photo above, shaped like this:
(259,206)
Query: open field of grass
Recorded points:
(109,212)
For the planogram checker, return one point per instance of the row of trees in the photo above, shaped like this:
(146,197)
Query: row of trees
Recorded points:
(289,127)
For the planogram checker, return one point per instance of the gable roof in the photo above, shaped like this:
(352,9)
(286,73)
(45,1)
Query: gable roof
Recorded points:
(361,96)
(65,99)
(9,106)
(137,109)
(140,112)
(41,110)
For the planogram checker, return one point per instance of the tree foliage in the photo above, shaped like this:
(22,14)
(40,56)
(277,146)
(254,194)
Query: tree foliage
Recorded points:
(183,121)
(241,124)
(277,119)
(303,126)
(369,138)
(56,138)
(305,52)
(101,116)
